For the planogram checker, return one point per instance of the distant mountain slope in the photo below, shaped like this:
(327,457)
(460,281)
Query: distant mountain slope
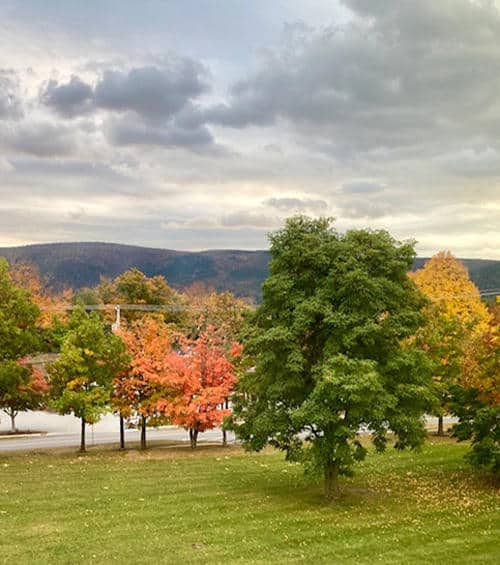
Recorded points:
(81,264)
(77,265)
(484,272)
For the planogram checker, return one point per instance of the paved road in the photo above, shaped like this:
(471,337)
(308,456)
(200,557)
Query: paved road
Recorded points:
(64,431)
(54,440)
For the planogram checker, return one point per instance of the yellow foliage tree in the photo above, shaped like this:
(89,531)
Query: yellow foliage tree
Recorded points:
(456,321)
(476,399)
(445,281)
(481,364)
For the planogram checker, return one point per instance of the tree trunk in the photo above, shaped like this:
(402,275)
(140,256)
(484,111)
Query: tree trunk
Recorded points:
(13,428)
(224,433)
(440,431)
(122,433)
(193,437)
(331,479)
(82,438)
(143,432)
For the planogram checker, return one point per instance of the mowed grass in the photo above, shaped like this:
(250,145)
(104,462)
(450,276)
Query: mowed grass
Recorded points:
(226,506)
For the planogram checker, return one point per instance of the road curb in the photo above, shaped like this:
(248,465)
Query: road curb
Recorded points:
(20,436)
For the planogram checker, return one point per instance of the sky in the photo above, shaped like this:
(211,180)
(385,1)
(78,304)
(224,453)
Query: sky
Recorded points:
(203,124)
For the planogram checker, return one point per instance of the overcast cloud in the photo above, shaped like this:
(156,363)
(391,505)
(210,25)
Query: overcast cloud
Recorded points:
(190,125)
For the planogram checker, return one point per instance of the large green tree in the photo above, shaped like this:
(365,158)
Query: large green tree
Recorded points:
(332,349)
(82,377)
(18,337)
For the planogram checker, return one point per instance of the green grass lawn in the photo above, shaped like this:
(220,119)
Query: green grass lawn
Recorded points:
(225,506)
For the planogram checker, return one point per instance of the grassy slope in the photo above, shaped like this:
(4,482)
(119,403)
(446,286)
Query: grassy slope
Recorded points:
(214,506)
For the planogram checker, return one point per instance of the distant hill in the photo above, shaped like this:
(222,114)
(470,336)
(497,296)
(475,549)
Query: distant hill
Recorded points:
(77,265)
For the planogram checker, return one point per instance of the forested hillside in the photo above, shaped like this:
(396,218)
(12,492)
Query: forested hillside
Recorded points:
(77,265)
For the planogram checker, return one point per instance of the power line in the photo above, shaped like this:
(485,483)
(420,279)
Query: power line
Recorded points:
(136,307)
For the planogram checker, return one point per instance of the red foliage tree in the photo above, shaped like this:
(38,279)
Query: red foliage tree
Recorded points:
(201,373)
(138,389)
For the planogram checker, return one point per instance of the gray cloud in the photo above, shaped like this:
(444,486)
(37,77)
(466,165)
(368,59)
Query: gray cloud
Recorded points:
(472,162)
(247,108)
(249,219)
(234,220)
(389,117)
(361,187)
(153,103)
(130,131)
(152,92)
(409,75)
(42,139)
(297,204)
(368,209)
(70,99)
(362,199)
(10,103)
(66,168)
(74,184)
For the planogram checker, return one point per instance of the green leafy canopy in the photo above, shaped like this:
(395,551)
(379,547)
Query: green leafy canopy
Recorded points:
(82,377)
(18,337)
(332,349)
(18,314)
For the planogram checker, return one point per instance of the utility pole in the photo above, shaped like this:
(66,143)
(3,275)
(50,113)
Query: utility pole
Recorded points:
(114,328)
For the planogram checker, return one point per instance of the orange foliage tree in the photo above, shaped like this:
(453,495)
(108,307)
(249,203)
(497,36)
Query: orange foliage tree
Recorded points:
(137,389)
(201,374)
(456,321)
(27,276)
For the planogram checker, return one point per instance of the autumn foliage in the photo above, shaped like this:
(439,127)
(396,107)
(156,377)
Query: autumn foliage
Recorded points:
(22,387)
(446,282)
(27,276)
(180,365)
(138,388)
(200,374)
(457,322)
(462,338)
(184,381)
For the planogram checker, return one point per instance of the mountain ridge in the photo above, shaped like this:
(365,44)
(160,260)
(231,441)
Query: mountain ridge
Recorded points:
(80,264)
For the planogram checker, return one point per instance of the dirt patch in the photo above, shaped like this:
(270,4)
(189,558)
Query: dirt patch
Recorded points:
(45,529)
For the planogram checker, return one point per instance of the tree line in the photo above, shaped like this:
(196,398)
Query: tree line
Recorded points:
(343,341)
(176,366)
